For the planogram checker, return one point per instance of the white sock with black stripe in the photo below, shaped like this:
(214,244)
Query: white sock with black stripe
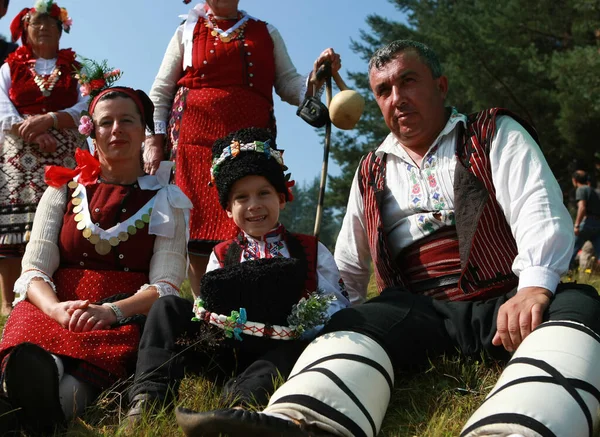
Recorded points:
(550,388)
(342,383)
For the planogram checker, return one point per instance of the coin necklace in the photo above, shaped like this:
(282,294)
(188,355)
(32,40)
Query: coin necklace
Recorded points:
(234,32)
(105,240)
(46,83)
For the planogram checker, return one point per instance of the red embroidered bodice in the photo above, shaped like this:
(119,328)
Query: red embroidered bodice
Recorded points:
(27,96)
(248,62)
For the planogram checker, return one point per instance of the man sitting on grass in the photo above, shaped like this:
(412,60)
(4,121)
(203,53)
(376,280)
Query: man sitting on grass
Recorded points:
(468,235)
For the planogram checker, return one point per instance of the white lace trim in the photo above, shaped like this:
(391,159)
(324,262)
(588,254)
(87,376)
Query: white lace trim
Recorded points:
(162,288)
(22,284)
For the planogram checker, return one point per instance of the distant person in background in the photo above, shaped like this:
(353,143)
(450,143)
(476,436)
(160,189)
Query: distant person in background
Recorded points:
(587,218)
(40,105)
(6,47)
(217,76)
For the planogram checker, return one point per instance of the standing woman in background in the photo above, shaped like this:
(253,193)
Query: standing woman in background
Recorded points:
(217,76)
(40,105)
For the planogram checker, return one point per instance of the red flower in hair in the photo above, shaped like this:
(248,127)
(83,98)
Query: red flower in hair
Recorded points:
(289,185)
(97,83)
(54,11)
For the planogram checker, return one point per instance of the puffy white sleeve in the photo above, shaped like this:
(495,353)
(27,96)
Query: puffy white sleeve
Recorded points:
(42,256)
(352,254)
(213,263)
(164,87)
(289,84)
(168,263)
(9,116)
(532,202)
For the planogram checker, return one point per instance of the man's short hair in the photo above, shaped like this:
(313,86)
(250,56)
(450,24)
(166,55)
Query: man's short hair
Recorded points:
(580,177)
(385,54)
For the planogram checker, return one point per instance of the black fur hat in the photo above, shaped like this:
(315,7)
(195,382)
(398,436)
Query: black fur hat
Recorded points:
(267,288)
(246,163)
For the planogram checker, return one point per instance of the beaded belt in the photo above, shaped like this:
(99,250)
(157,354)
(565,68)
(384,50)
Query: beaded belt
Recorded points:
(236,324)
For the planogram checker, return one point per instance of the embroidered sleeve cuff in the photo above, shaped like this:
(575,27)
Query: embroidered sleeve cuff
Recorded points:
(160,127)
(539,277)
(162,288)
(22,284)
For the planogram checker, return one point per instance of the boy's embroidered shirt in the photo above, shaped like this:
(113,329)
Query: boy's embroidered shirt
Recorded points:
(270,245)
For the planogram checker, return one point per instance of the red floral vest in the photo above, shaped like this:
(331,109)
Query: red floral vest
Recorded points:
(26,95)
(487,248)
(248,62)
(300,246)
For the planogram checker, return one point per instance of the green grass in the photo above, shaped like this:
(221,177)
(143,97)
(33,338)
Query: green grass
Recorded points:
(434,403)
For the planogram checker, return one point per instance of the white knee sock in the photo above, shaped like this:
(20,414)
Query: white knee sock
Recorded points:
(75,396)
(342,383)
(551,387)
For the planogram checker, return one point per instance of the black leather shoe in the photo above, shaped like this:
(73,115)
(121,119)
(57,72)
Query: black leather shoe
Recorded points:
(31,379)
(242,423)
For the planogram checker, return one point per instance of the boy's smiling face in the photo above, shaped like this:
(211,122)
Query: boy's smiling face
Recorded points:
(254,205)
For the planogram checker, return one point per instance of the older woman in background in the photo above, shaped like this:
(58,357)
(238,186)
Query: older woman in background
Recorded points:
(106,243)
(39,110)
(217,76)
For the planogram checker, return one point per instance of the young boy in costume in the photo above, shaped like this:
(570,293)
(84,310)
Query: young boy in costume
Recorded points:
(265,293)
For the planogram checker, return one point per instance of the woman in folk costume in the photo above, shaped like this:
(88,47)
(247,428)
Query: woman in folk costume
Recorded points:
(40,105)
(107,241)
(218,76)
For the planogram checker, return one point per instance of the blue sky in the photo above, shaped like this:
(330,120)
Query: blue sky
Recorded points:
(133,35)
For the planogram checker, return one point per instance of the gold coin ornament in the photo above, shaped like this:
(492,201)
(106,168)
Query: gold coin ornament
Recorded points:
(76,192)
(214,33)
(78,209)
(87,233)
(132,230)
(102,247)
(123,236)
(79,217)
(94,238)
(72,185)
(77,201)
(114,241)
(81,226)
(139,224)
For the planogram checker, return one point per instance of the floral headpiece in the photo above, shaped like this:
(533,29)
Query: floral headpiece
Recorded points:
(233,150)
(41,7)
(93,78)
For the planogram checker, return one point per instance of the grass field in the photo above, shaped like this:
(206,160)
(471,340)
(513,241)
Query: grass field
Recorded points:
(434,403)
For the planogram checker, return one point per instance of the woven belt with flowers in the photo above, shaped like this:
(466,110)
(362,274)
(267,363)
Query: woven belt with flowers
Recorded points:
(306,314)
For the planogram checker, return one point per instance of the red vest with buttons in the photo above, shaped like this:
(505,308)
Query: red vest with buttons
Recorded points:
(27,96)
(300,246)
(248,62)
(486,245)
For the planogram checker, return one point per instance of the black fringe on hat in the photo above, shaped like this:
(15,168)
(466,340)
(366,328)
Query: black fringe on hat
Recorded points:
(267,288)
(247,163)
